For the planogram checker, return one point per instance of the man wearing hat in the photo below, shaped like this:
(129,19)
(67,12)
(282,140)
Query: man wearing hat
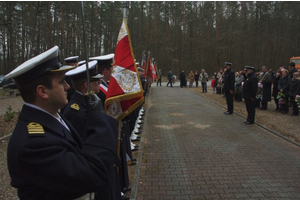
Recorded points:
(266,79)
(159,77)
(72,61)
(76,111)
(105,66)
(46,157)
(229,80)
(169,76)
(249,93)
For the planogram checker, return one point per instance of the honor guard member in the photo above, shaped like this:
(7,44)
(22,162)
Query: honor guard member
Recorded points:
(229,80)
(75,111)
(46,157)
(249,93)
(72,61)
(105,66)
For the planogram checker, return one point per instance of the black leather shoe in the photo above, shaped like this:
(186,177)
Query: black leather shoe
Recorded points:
(135,140)
(139,132)
(227,113)
(133,159)
(126,189)
(124,197)
(248,123)
(135,149)
(132,163)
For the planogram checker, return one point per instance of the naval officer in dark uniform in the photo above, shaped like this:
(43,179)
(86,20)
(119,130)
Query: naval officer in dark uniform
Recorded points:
(249,93)
(75,111)
(46,157)
(105,66)
(229,80)
(72,61)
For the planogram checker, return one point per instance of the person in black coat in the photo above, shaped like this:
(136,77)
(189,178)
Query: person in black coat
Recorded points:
(169,76)
(46,157)
(275,88)
(266,79)
(182,79)
(293,92)
(229,81)
(197,78)
(284,87)
(75,111)
(249,93)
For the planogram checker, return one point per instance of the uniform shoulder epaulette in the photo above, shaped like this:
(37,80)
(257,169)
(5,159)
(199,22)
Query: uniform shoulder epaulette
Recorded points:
(35,129)
(75,106)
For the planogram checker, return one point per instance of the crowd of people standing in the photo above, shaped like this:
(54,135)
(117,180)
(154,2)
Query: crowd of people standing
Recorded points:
(283,85)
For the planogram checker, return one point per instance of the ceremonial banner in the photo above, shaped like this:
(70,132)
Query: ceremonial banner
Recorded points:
(143,66)
(151,72)
(125,91)
(153,68)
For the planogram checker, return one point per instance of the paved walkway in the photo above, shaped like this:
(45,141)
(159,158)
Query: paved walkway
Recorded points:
(191,150)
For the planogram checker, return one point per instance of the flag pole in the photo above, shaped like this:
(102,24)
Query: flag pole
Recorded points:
(125,13)
(86,52)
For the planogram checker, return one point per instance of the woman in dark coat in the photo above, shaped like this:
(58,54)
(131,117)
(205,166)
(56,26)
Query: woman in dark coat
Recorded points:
(284,87)
(182,79)
(293,93)
(196,78)
(275,88)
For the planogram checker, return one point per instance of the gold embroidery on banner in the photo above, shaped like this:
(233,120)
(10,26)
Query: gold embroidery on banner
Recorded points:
(114,109)
(122,33)
(127,80)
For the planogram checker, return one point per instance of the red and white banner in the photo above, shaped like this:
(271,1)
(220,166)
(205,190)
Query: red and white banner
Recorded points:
(125,91)
(143,66)
(151,72)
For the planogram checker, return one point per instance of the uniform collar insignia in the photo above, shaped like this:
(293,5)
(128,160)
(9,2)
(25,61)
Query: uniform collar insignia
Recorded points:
(75,106)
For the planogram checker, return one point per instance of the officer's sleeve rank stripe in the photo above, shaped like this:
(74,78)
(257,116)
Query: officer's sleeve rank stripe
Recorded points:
(75,106)
(35,128)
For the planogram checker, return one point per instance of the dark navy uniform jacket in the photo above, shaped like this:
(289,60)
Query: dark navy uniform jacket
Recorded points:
(46,161)
(75,112)
(229,80)
(250,86)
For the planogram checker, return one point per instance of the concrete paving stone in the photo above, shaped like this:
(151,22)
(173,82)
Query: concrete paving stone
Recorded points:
(241,195)
(188,192)
(227,196)
(173,192)
(170,187)
(212,196)
(196,197)
(256,195)
(271,194)
(202,191)
(159,192)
